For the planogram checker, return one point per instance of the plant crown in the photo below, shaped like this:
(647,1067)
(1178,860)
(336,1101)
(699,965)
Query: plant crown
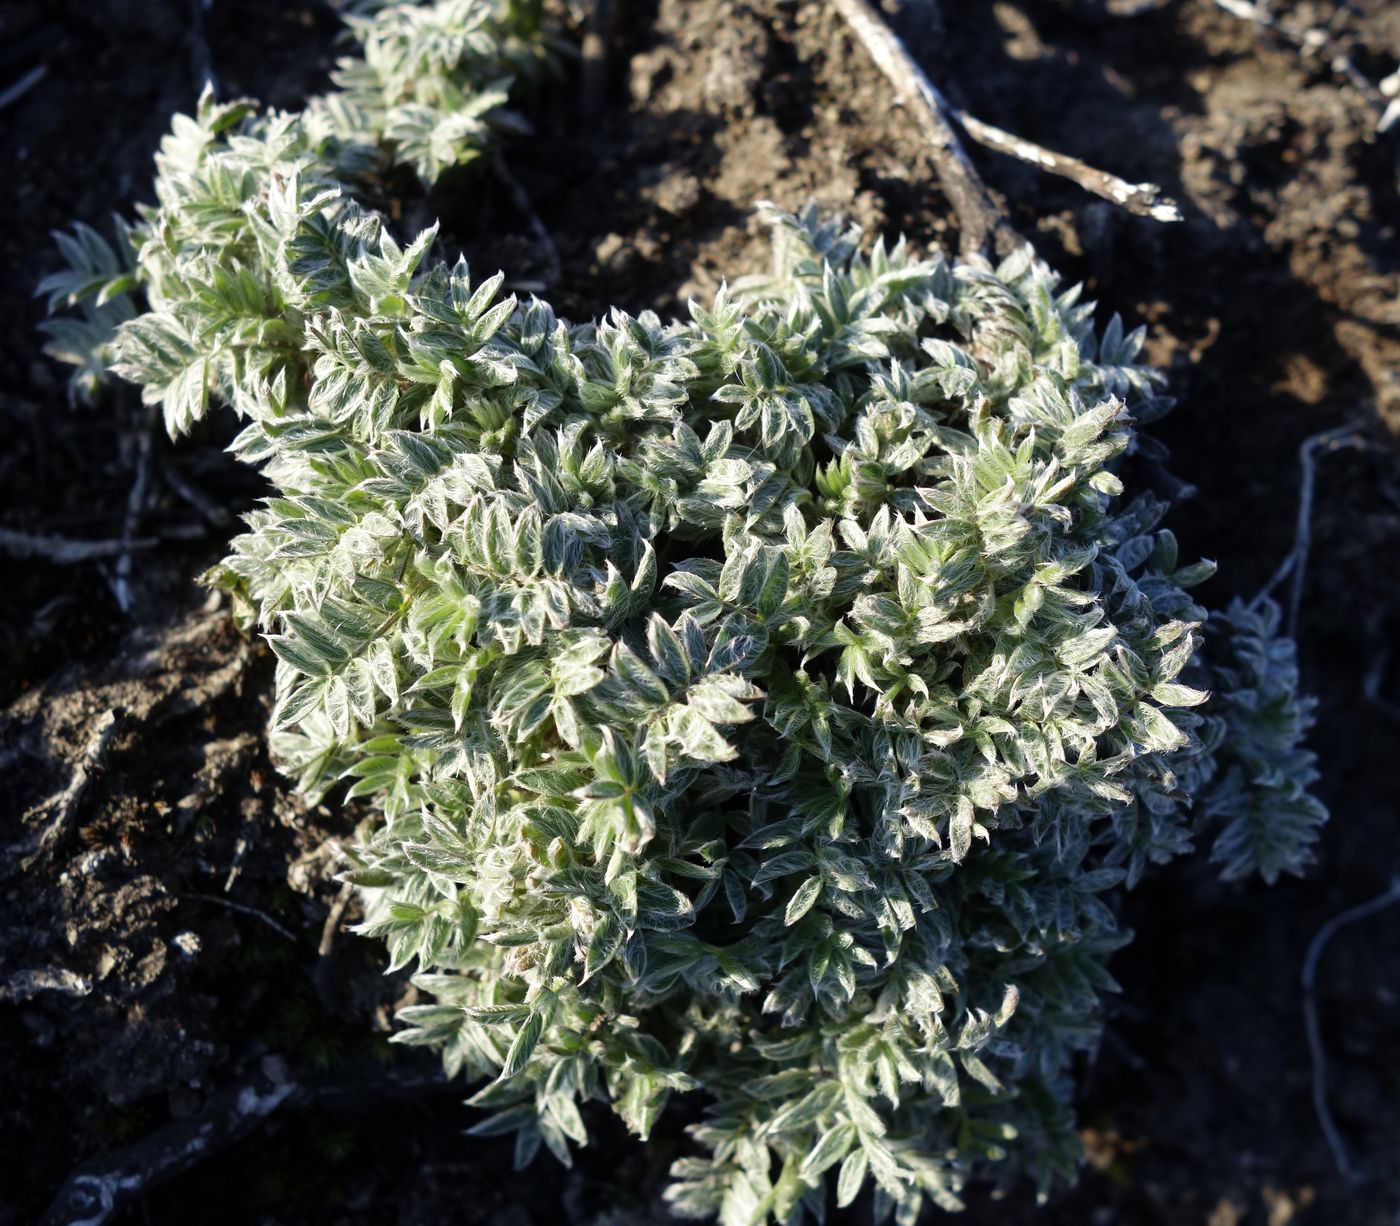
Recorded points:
(762,704)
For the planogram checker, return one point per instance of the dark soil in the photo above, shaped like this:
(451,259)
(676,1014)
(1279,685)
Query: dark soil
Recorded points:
(165,936)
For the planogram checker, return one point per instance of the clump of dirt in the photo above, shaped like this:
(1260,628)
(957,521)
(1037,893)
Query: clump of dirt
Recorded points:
(167,900)
(150,866)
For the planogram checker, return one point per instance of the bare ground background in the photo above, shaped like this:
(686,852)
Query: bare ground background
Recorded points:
(169,940)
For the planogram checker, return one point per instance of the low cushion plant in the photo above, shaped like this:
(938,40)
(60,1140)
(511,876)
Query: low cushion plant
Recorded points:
(765,706)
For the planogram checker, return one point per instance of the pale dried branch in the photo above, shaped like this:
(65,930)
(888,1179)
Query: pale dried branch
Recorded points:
(333,920)
(1316,41)
(1134,8)
(22,985)
(553,267)
(63,550)
(1295,565)
(15,92)
(98,1190)
(1390,91)
(64,805)
(597,38)
(1143,199)
(1371,687)
(201,61)
(978,216)
(979,219)
(135,508)
(244,909)
(185,489)
(1352,915)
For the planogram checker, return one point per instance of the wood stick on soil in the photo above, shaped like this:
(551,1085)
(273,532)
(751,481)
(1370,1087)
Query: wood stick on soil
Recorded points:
(244,909)
(23,985)
(978,216)
(979,219)
(21,87)
(1371,687)
(62,550)
(65,804)
(135,508)
(1295,565)
(212,512)
(549,252)
(1315,40)
(333,920)
(597,39)
(201,61)
(1144,199)
(100,1189)
(1313,1025)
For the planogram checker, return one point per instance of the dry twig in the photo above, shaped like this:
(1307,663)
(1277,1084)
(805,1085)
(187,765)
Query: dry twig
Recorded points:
(980,220)
(22,985)
(597,37)
(98,1190)
(62,550)
(525,206)
(1144,199)
(1371,687)
(1390,91)
(1134,8)
(247,910)
(65,804)
(1315,40)
(135,506)
(333,919)
(1328,930)
(1295,565)
(65,551)
(21,87)
(201,61)
(185,489)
